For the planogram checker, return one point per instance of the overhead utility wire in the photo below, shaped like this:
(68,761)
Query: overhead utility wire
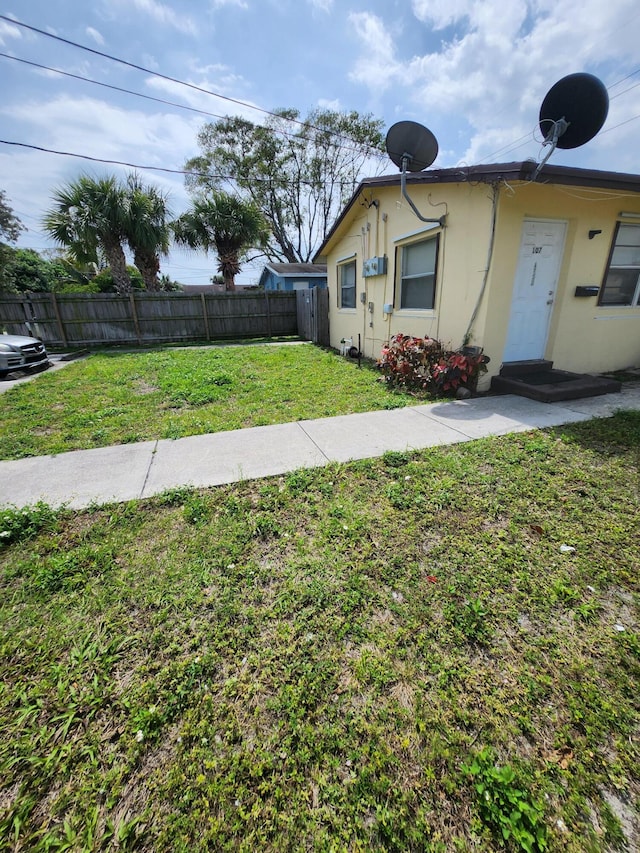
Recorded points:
(615,126)
(114,162)
(148,168)
(137,67)
(109,86)
(511,146)
(624,91)
(167,77)
(622,79)
(138,94)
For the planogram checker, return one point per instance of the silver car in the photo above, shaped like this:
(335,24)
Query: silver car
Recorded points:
(18,352)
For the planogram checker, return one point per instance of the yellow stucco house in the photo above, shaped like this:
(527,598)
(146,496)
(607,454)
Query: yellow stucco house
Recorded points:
(527,270)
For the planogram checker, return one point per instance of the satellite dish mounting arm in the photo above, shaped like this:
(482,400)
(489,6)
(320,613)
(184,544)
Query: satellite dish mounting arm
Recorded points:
(558,128)
(406,158)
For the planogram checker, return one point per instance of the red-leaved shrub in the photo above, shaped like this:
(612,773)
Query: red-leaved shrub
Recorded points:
(423,364)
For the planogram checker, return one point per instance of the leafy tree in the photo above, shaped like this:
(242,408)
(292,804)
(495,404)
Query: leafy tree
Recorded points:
(225,223)
(89,216)
(27,270)
(10,225)
(169,285)
(10,228)
(30,271)
(146,228)
(298,173)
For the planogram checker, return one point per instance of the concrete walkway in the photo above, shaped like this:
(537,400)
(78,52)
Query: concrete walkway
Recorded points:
(131,471)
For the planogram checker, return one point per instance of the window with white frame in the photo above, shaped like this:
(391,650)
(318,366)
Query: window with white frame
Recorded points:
(347,284)
(417,274)
(621,284)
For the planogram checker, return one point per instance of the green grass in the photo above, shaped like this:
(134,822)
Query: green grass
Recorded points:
(116,398)
(394,654)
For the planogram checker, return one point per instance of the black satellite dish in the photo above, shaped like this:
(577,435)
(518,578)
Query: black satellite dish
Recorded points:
(573,111)
(411,146)
(579,100)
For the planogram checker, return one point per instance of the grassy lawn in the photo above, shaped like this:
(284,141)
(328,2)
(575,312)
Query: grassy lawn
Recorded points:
(115,398)
(436,651)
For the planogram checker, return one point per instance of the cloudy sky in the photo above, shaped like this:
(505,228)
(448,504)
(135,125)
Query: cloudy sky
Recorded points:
(473,71)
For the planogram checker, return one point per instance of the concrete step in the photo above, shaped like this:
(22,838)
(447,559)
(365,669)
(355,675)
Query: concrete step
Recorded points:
(520,368)
(551,386)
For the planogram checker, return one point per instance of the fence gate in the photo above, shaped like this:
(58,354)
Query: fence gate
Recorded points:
(313,315)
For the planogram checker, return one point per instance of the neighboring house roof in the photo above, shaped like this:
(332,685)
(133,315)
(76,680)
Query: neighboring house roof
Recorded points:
(194,289)
(492,173)
(294,271)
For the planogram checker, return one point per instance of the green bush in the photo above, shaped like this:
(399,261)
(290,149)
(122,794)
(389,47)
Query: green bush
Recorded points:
(104,280)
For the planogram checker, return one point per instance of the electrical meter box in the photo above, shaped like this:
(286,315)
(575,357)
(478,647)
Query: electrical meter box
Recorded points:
(374,266)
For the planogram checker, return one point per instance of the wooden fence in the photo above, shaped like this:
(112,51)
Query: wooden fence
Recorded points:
(91,319)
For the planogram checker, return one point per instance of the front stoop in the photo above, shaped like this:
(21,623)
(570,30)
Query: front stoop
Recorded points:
(537,380)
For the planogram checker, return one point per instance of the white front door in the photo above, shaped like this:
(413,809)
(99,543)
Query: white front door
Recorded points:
(534,288)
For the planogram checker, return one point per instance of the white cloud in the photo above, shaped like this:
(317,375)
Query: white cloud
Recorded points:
(376,65)
(225,82)
(489,78)
(326,104)
(218,4)
(8,31)
(164,15)
(95,128)
(95,35)
(441,13)
(321,5)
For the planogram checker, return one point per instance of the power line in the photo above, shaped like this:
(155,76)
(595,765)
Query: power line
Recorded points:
(142,95)
(109,86)
(116,162)
(133,65)
(609,129)
(136,67)
(622,79)
(152,168)
(624,91)
(512,145)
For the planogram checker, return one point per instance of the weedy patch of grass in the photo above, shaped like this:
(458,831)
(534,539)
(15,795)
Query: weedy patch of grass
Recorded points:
(118,398)
(430,651)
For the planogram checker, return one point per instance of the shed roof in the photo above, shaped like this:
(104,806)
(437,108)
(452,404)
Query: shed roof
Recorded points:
(297,269)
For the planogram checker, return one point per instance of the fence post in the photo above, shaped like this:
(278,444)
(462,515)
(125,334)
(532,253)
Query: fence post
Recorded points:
(136,324)
(56,309)
(206,316)
(266,300)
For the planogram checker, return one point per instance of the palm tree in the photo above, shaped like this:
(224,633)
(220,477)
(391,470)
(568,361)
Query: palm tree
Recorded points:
(147,230)
(89,217)
(225,223)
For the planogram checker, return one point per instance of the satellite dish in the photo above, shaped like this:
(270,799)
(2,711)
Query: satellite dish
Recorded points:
(579,100)
(411,146)
(572,113)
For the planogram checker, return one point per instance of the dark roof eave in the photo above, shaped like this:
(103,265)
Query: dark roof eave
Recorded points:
(492,173)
